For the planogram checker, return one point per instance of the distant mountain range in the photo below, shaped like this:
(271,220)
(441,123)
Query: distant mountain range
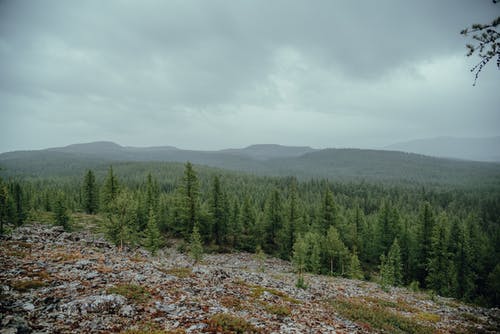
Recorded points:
(271,160)
(478,149)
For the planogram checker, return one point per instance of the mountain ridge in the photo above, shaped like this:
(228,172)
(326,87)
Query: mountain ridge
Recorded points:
(266,160)
(475,149)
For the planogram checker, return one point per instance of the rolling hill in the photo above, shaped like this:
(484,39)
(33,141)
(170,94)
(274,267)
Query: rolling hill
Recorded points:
(271,160)
(479,149)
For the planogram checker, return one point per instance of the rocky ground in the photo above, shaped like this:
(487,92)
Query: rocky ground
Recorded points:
(57,282)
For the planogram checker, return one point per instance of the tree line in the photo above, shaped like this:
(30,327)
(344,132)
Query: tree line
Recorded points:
(446,241)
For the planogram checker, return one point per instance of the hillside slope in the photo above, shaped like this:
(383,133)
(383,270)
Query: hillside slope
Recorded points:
(53,281)
(479,149)
(272,160)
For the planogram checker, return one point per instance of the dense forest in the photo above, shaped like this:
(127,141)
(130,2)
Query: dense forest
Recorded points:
(445,239)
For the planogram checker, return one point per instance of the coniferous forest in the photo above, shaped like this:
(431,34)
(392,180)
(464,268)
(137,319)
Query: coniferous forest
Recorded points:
(444,239)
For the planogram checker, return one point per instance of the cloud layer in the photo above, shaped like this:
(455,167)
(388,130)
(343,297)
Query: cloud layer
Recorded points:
(218,74)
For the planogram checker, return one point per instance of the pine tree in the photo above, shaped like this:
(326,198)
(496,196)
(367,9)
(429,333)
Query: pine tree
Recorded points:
(153,237)
(110,189)
(354,269)
(61,217)
(90,194)
(439,275)
(196,246)
(190,206)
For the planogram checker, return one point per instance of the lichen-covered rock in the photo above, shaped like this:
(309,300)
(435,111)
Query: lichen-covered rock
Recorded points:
(95,304)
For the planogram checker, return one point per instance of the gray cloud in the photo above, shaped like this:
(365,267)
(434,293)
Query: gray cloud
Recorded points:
(215,74)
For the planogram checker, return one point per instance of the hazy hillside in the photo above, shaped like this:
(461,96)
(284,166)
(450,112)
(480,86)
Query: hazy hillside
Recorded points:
(274,160)
(479,149)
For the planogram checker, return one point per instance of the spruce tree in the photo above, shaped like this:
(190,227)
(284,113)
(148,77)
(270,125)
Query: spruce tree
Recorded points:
(427,223)
(110,190)
(328,211)
(196,245)
(299,259)
(439,275)
(61,217)
(4,205)
(336,251)
(153,237)
(354,269)
(247,223)
(273,222)
(394,258)
(121,229)
(19,204)
(90,193)
(219,212)
(313,242)
(190,206)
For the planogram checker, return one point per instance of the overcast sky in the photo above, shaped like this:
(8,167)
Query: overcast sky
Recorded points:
(218,74)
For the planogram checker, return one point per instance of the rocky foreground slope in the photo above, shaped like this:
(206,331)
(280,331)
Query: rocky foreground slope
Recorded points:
(57,282)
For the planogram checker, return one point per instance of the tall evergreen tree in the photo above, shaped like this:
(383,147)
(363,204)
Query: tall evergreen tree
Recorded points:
(121,229)
(219,212)
(109,191)
(299,259)
(4,205)
(354,269)
(19,204)
(328,211)
(153,237)
(336,251)
(247,223)
(196,245)
(61,216)
(273,222)
(426,224)
(391,266)
(463,276)
(90,193)
(152,193)
(190,206)
(439,265)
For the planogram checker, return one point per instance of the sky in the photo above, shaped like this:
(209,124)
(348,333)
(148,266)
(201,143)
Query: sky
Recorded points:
(219,74)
